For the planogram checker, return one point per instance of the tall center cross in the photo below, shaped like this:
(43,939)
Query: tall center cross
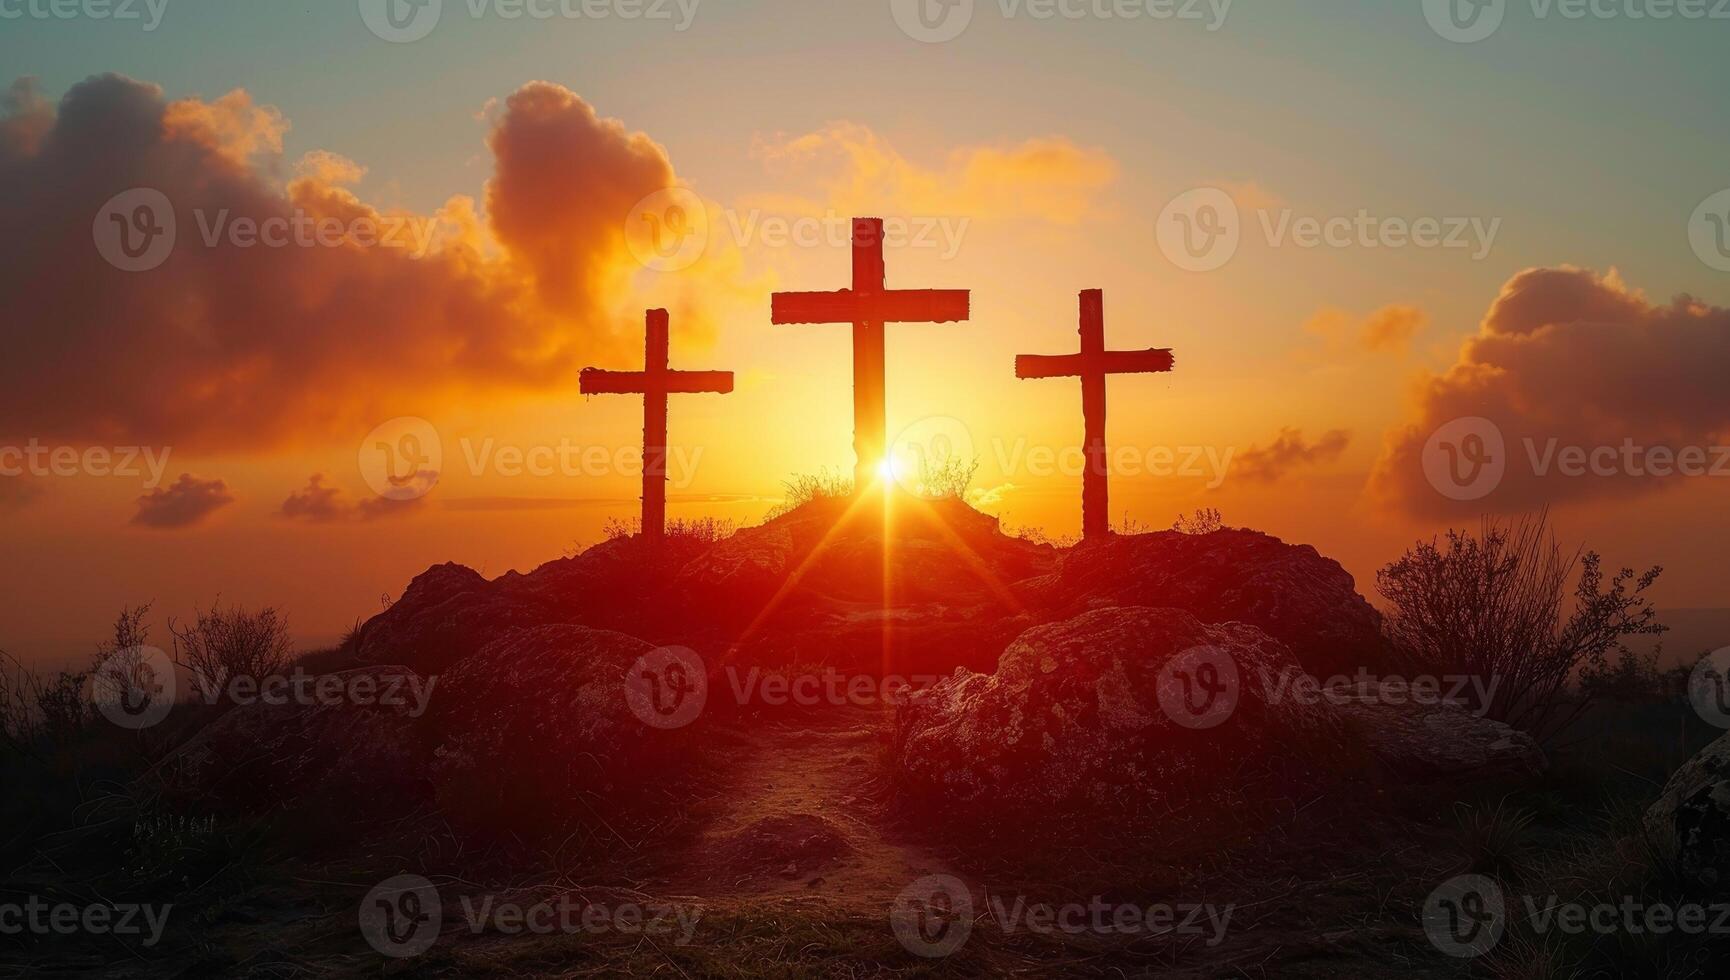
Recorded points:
(1091,366)
(655,382)
(868,306)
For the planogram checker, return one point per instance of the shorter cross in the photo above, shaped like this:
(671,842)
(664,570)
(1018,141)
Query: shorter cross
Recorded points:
(655,382)
(1091,366)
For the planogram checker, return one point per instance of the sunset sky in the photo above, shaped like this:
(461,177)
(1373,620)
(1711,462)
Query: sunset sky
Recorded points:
(1034,157)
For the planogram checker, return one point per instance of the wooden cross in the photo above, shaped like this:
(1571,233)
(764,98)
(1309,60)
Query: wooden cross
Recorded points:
(868,306)
(655,382)
(1091,366)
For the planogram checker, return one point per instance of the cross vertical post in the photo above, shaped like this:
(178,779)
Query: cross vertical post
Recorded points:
(655,360)
(1095,505)
(870,369)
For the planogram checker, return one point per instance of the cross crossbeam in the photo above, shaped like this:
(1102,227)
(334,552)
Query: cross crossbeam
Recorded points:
(655,383)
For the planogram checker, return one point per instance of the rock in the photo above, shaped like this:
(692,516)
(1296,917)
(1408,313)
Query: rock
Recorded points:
(536,729)
(343,755)
(1692,814)
(1290,592)
(445,614)
(1073,717)
(821,586)
(1438,740)
(752,562)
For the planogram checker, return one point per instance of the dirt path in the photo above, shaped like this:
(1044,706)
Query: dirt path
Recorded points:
(798,820)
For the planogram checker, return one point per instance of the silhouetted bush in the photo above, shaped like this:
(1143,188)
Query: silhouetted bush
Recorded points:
(223,644)
(1490,606)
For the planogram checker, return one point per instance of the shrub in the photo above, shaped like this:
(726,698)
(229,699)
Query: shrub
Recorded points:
(1489,606)
(223,644)
(805,488)
(699,530)
(945,480)
(1205,521)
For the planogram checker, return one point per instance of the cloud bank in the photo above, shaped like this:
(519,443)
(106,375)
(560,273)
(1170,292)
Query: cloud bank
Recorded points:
(234,346)
(1567,367)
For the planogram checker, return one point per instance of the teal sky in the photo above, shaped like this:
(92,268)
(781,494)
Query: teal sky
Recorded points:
(1594,139)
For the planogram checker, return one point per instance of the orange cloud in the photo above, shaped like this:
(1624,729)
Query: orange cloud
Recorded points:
(233,343)
(184,503)
(1584,388)
(1388,329)
(1049,179)
(320,503)
(1288,452)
